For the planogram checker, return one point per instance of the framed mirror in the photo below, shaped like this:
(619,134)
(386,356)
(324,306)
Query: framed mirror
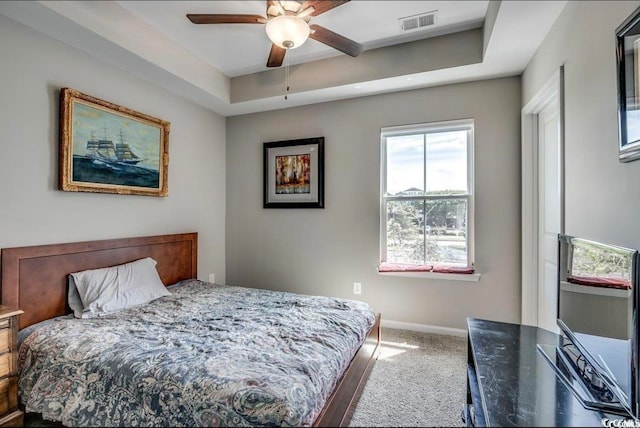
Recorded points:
(628,68)
(597,314)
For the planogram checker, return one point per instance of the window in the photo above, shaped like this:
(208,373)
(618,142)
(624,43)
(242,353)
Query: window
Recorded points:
(427,196)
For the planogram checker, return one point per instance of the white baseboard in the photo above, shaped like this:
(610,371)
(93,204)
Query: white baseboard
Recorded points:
(423,328)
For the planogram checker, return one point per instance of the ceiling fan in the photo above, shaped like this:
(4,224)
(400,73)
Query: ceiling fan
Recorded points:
(287,26)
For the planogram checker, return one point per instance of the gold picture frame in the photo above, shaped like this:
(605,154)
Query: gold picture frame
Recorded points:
(106,148)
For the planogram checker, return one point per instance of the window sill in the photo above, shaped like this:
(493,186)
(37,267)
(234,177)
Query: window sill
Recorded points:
(468,277)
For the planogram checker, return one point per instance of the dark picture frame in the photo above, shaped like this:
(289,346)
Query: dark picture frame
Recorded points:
(294,173)
(107,148)
(628,73)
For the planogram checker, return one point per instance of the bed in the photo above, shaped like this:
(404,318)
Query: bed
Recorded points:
(34,279)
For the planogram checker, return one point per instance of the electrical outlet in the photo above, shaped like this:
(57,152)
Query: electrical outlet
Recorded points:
(357,288)
(212,277)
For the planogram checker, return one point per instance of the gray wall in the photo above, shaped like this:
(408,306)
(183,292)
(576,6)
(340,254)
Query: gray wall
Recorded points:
(323,251)
(602,195)
(598,314)
(32,70)
(448,51)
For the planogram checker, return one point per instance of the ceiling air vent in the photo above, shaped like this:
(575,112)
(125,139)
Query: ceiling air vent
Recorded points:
(414,22)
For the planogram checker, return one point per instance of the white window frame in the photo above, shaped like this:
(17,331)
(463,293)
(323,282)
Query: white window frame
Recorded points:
(430,128)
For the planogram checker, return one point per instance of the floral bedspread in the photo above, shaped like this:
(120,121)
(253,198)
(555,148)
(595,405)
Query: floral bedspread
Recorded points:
(208,355)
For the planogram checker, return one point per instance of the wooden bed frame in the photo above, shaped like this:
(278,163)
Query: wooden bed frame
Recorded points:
(34,279)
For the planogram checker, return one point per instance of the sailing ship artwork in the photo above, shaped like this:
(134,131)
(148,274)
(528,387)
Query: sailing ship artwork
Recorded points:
(114,151)
(108,162)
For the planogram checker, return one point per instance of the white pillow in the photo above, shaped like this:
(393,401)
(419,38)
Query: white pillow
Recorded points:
(107,290)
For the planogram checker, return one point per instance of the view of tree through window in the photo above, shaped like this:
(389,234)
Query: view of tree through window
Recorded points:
(426,196)
(592,259)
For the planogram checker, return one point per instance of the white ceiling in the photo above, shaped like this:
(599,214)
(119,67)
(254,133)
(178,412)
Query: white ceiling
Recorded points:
(237,49)
(153,39)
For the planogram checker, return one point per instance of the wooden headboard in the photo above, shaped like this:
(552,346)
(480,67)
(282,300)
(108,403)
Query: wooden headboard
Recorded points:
(34,279)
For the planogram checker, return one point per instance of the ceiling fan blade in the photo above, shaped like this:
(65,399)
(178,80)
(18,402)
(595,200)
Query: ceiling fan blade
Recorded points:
(321,6)
(335,40)
(274,8)
(276,56)
(216,18)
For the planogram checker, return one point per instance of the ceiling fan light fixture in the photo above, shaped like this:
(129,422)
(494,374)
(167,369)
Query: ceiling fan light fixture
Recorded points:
(287,31)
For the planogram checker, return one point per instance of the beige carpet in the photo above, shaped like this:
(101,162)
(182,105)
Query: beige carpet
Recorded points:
(418,380)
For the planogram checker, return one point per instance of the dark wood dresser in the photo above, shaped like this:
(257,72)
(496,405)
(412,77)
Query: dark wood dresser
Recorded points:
(510,384)
(10,415)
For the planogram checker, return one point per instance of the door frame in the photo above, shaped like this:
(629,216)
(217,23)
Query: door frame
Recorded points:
(552,91)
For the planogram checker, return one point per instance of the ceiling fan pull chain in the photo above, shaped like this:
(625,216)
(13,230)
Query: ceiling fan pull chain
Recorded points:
(286,77)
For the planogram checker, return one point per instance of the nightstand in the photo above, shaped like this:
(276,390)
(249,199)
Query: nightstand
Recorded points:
(10,415)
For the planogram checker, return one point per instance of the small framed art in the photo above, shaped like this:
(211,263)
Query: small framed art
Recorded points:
(294,173)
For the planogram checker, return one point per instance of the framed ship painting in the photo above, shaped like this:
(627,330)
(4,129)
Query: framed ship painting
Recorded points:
(107,148)
(294,173)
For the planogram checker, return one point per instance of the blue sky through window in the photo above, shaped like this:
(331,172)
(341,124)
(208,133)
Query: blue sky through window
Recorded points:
(446,160)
